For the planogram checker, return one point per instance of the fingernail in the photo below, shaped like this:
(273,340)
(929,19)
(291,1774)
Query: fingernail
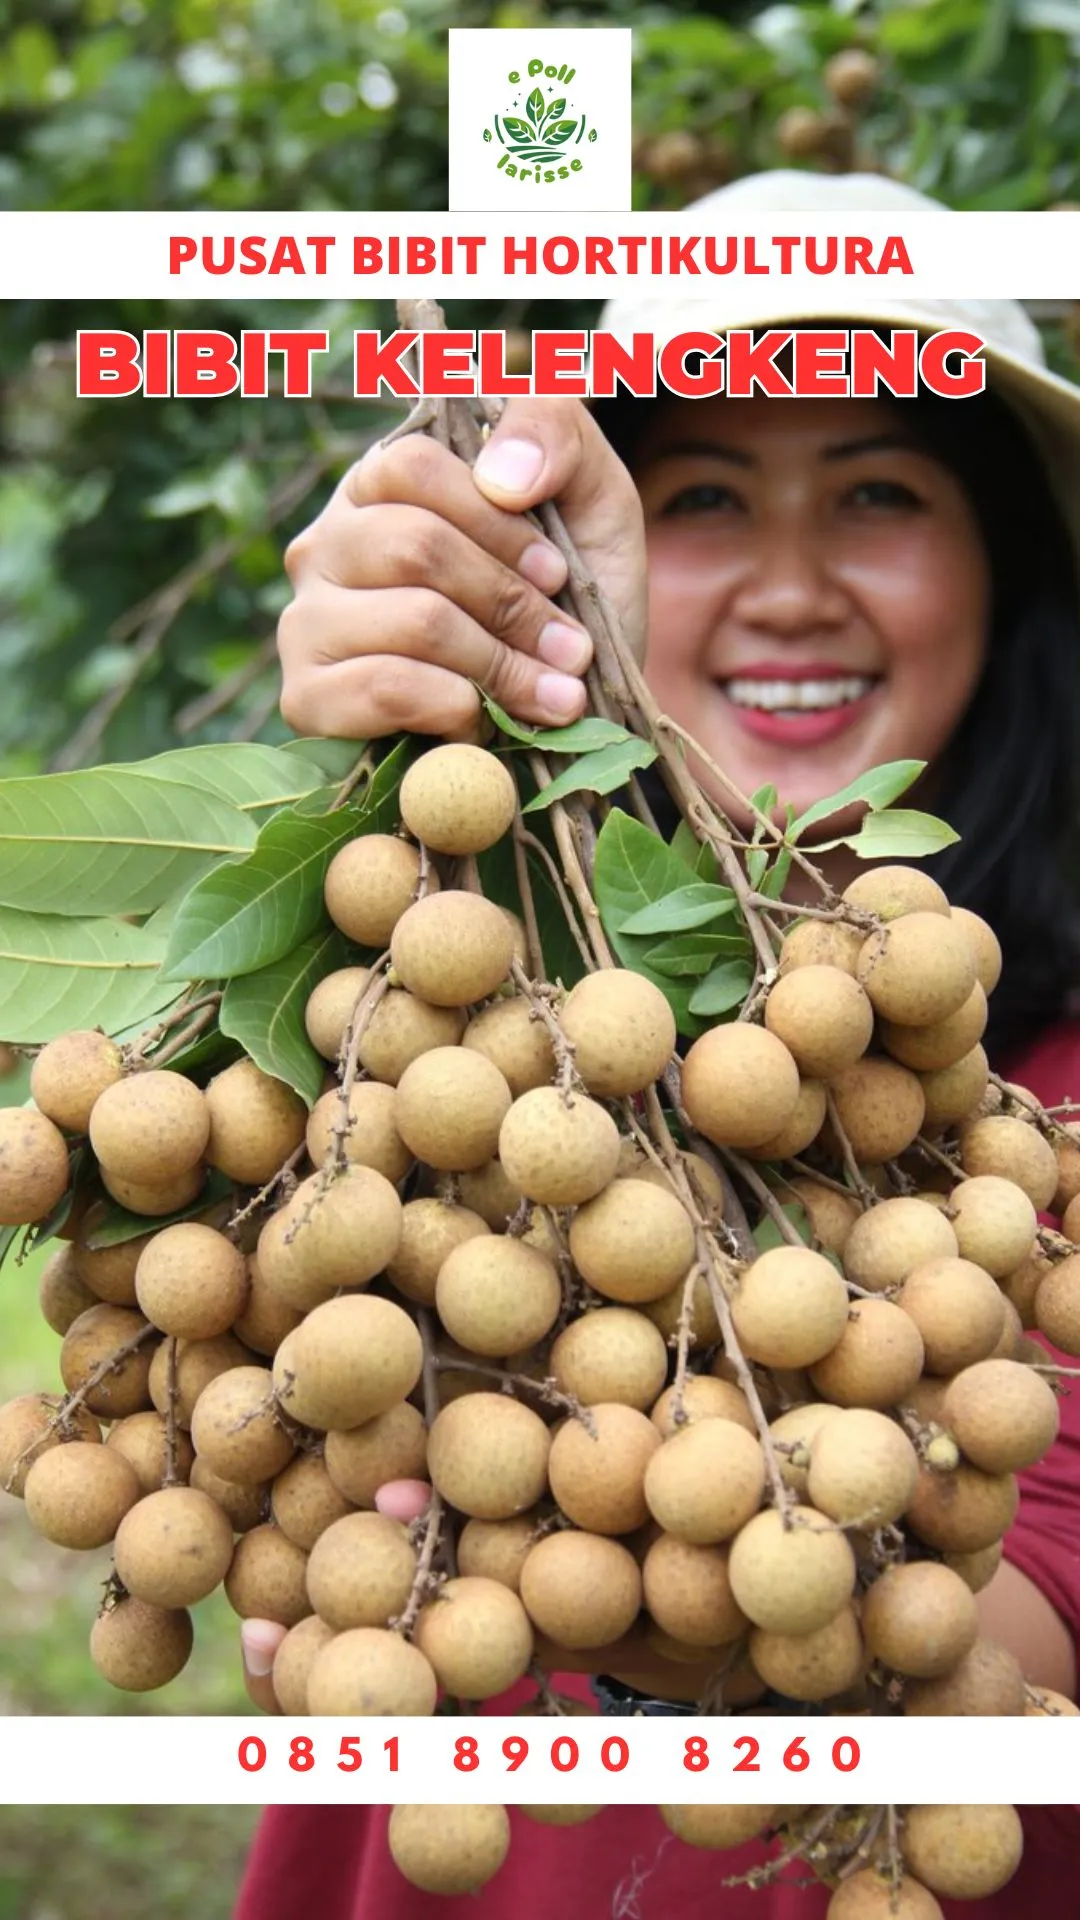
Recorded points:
(558,695)
(564,647)
(257,1659)
(543,566)
(510,466)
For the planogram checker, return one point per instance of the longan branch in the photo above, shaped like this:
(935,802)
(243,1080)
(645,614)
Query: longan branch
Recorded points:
(864,1194)
(375,986)
(533,939)
(276,1180)
(536,846)
(71,1402)
(172,1395)
(545,1390)
(567,1078)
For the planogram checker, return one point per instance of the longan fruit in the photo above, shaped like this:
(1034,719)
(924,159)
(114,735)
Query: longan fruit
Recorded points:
(458,799)
(449,1106)
(869,1895)
(371,1138)
(391,1446)
(790,1307)
(811,1666)
(610,1353)
(831,1215)
(496,1549)
(488,1192)
(994,1223)
(150,1128)
(1057,1304)
(62,1296)
(91,1340)
(1044,1703)
(197,1362)
(350,1359)
(304,1500)
(1003,1416)
(952,1093)
(401,1029)
(666,1314)
(633,1243)
(851,76)
(330,1007)
(332,1235)
(33,1166)
(706,1482)
(740,1085)
(294,1659)
(266,1577)
(141,1438)
(717,1827)
(191,1281)
(892,891)
(863,1469)
(173,1548)
(986,1680)
(449,1849)
(876,1361)
(962,1511)
(823,1018)
(704,1398)
(962,1853)
(958,1310)
(558,1152)
(622,1030)
(930,1048)
(821,943)
(235,1428)
(919,1619)
(154,1199)
(1014,1150)
(977,1569)
(430,1231)
(687,1592)
(477,1635)
(139,1647)
(793,1435)
(77,1495)
(244,1507)
(369,883)
(496,1296)
(108,1271)
(985,946)
(917,970)
(369,1670)
(800,1131)
(581,1590)
(69,1074)
(598,1477)
(1067,1154)
(488,1455)
(889,1241)
(793,1574)
(266,1318)
(27,1430)
(560,1816)
(256,1122)
(510,1035)
(452,949)
(880,1106)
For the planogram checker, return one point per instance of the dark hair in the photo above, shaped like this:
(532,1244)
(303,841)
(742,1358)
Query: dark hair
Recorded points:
(1010,778)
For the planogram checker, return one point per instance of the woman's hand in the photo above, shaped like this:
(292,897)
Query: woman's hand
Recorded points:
(420,581)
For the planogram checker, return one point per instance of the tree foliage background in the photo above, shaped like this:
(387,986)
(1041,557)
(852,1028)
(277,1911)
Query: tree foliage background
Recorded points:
(140,558)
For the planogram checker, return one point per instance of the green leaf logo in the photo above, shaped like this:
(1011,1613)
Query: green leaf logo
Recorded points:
(534,106)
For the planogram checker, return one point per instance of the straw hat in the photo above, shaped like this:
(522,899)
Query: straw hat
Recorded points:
(1017,370)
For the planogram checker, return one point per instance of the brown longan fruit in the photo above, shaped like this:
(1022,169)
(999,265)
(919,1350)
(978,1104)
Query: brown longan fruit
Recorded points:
(392,1446)
(141,1438)
(304,1500)
(173,1547)
(108,1271)
(892,891)
(977,1569)
(612,1354)
(704,1398)
(1003,1416)
(150,1128)
(452,949)
(191,1281)
(1067,1154)
(488,1455)
(811,1666)
(985,946)
(92,1339)
(76,1495)
(994,1223)
(1016,1151)
(332,1235)
(402,1028)
(889,1241)
(1057,1304)
(294,1659)
(799,1131)
(496,1296)
(633,1243)
(371,1138)
(687,1592)
(560,1816)
(62,1296)
(953,1093)
(622,1031)
(863,1469)
(823,1018)
(430,1231)
(33,1166)
(369,883)
(880,1106)
(256,1122)
(449,1106)
(717,1827)
(598,1476)
(958,1311)
(330,1007)
(851,76)
(69,1074)
(266,1318)
(449,1849)
(496,1549)
(790,1307)
(869,1895)
(929,1049)
(369,1670)
(266,1577)
(558,1152)
(489,1192)
(793,1435)
(197,1363)
(154,1199)
(458,799)
(876,1361)
(139,1647)
(831,1215)
(581,1590)
(704,1483)
(793,1575)
(477,1635)
(235,1429)
(244,1507)
(987,1680)
(511,1036)
(917,970)
(27,1430)
(740,1085)
(821,943)
(962,1511)
(666,1314)
(350,1359)
(919,1619)
(962,1853)
(1044,1703)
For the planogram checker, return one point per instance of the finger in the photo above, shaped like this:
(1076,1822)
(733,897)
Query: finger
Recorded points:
(331,626)
(371,697)
(403,1500)
(259,1642)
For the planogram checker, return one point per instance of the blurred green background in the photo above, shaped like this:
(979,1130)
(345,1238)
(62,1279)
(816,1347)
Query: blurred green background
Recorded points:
(140,542)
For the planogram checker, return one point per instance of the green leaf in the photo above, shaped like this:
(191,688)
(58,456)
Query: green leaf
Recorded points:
(264,1011)
(767,1234)
(684,956)
(900,835)
(764,800)
(57,973)
(757,861)
(633,867)
(336,758)
(250,776)
(498,877)
(580,736)
(879,787)
(602,772)
(117,1225)
(692,906)
(109,840)
(726,986)
(773,883)
(697,855)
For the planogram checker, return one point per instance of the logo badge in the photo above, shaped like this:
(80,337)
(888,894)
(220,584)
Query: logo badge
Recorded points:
(559,135)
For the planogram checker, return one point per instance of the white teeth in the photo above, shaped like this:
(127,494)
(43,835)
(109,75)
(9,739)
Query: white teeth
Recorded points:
(798,696)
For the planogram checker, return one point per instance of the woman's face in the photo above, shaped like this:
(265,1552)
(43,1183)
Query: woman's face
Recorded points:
(819,590)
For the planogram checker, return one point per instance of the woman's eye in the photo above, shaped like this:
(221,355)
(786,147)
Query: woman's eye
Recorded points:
(705,496)
(884,493)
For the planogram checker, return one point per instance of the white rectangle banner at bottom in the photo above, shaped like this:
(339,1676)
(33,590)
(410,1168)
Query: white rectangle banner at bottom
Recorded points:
(118,1761)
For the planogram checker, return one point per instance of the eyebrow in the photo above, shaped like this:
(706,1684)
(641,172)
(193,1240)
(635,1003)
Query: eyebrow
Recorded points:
(738,457)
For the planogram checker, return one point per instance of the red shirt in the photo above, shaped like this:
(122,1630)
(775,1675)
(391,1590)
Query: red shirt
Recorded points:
(334,1862)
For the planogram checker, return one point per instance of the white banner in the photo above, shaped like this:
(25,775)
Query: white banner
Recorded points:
(119,1761)
(288,256)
